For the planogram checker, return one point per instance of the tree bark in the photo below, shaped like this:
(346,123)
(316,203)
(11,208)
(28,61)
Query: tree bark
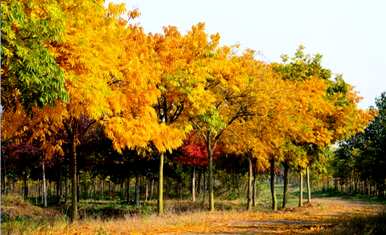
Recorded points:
(151,188)
(199,182)
(254,183)
(58,186)
(285,188)
(25,185)
(194,184)
(145,179)
(137,189)
(74,180)
(204,186)
(128,189)
(77,186)
(65,188)
(273,195)
(160,185)
(250,180)
(3,177)
(300,188)
(211,183)
(308,185)
(44,185)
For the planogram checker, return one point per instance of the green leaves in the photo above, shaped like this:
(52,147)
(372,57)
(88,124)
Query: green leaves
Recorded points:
(213,120)
(28,67)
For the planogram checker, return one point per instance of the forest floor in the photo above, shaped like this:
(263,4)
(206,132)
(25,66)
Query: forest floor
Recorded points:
(327,215)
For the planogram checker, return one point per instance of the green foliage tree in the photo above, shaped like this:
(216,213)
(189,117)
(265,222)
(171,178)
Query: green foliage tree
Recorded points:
(29,70)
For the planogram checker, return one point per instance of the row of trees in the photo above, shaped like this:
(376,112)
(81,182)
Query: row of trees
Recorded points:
(75,72)
(360,162)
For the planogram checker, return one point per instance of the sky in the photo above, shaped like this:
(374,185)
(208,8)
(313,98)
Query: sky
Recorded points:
(351,35)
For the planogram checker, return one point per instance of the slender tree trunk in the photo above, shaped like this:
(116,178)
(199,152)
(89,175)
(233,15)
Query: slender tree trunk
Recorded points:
(25,185)
(58,186)
(204,186)
(128,189)
(194,184)
(285,188)
(3,177)
(151,188)
(65,188)
(308,185)
(137,189)
(44,184)
(199,182)
(254,183)
(273,195)
(250,181)
(74,180)
(146,181)
(211,183)
(110,189)
(103,188)
(78,186)
(300,188)
(160,185)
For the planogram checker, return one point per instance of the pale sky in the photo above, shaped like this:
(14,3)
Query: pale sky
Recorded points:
(351,35)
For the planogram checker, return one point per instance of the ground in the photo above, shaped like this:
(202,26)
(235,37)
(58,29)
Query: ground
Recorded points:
(324,215)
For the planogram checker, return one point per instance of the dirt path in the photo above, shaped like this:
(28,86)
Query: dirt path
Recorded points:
(323,214)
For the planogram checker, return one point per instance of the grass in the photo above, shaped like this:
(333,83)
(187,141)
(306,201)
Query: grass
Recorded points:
(373,224)
(350,196)
(184,216)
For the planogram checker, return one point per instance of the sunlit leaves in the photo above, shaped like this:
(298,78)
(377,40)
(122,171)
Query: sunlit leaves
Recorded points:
(29,68)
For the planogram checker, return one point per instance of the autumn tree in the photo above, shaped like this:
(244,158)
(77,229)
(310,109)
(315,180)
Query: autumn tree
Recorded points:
(182,87)
(30,73)
(230,84)
(325,109)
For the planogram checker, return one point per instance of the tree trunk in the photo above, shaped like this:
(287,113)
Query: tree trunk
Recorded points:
(204,186)
(74,180)
(137,189)
(3,177)
(58,186)
(160,185)
(285,188)
(211,193)
(194,184)
(199,182)
(300,188)
(44,184)
(128,189)
(77,187)
(146,188)
(25,185)
(103,188)
(65,188)
(250,180)
(273,195)
(151,188)
(308,185)
(254,183)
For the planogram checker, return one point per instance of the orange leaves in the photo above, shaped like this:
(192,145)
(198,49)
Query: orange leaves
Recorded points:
(130,132)
(134,14)
(168,138)
(153,88)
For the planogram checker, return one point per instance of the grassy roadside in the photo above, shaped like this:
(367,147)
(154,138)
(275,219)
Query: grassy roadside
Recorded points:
(349,196)
(111,217)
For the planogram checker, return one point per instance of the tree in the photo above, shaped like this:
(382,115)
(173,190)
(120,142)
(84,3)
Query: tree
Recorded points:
(181,87)
(230,84)
(363,155)
(326,110)
(29,72)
